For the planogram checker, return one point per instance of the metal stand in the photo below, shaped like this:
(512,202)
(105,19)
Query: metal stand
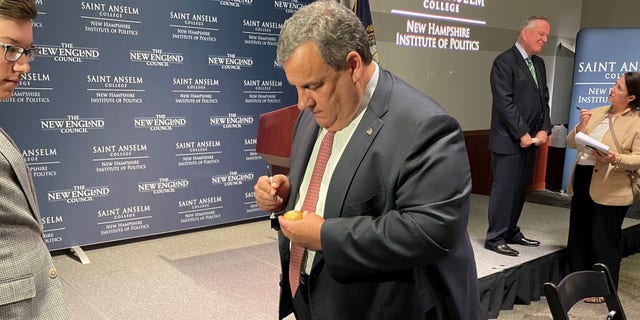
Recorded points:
(80,254)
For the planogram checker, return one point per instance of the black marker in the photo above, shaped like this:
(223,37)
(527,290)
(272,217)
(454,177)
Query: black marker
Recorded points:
(270,175)
(273,218)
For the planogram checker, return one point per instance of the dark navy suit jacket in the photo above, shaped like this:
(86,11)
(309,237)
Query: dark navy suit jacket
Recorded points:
(519,106)
(395,242)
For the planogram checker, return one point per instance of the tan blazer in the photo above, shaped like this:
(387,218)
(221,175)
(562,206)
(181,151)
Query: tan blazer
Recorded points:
(610,184)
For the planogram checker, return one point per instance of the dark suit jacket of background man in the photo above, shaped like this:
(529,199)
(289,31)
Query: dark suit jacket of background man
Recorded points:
(405,148)
(519,107)
(529,102)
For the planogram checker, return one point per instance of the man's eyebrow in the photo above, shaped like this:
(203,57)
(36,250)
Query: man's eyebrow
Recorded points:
(15,42)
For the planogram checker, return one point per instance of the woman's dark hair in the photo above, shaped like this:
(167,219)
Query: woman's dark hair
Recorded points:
(632,81)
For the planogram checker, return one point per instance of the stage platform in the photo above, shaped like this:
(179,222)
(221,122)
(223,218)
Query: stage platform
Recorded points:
(504,281)
(232,272)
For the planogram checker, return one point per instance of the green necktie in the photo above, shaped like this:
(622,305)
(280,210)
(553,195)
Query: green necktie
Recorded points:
(531,69)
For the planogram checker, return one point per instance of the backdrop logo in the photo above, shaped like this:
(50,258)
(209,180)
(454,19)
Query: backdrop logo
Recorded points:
(33,155)
(115,81)
(124,157)
(262,91)
(109,11)
(124,213)
(39,161)
(263,85)
(199,209)
(196,83)
(231,121)
(38,24)
(250,141)
(234,3)
(610,70)
(250,149)
(163,185)
(199,203)
(196,90)
(262,26)
(32,89)
(198,146)
(122,220)
(289,6)
(261,33)
(78,194)
(54,222)
(159,123)
(195,153)
(68,52)
(192,19)
(115,88)
(193,26)
(107,19)
(27,78)
(156,57)
(72,124)
(234,178)
(230,62)
(123,150)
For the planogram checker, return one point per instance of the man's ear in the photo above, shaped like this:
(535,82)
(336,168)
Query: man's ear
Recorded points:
(354,63)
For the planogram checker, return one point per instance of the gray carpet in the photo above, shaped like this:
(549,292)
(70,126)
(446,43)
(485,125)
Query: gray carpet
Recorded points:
(232,272)
(549,198)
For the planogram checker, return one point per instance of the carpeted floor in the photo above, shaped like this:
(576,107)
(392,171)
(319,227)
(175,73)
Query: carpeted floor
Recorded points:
(629,293)
(549,198)
(563,200)
(232,272)
(629,286)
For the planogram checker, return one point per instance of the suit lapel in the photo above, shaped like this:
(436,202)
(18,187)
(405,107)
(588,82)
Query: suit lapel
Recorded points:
(524,68)
(360,142)
(355,151)
(15,159)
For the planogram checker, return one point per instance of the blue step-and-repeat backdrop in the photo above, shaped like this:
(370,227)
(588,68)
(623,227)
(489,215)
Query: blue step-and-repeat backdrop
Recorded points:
(140,117)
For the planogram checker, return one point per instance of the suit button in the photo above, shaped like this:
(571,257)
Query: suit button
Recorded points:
(53,273)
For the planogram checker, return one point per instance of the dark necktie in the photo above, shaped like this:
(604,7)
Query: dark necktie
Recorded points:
(531,69)
(298,253)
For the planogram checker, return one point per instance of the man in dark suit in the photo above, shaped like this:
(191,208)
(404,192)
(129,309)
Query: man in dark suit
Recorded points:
(29,287)
(388,237)
(519,123)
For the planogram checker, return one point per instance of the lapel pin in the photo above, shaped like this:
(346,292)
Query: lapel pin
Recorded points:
(369,131)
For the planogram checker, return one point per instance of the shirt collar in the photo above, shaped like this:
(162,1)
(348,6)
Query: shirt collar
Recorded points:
(522,52)
(371,86)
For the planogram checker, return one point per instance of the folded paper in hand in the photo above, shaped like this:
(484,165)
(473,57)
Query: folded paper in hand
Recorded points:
(591,143)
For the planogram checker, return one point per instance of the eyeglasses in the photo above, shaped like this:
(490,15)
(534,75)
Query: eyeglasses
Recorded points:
(13,53)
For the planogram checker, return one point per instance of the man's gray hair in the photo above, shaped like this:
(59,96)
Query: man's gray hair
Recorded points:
(334,28)
(528,21)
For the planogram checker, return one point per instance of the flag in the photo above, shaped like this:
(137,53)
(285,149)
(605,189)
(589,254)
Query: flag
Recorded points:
(363,11)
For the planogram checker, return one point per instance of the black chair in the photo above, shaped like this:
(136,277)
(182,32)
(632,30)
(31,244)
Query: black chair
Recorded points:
(583,284)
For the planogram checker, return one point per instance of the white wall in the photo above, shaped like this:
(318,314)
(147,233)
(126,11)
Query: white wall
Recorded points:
(614,13)
(460,80)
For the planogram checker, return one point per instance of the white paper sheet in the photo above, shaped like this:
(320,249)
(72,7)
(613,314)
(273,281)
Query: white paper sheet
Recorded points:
(590,143)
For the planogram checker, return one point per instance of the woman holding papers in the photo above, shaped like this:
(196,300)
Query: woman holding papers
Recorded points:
(599,185)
